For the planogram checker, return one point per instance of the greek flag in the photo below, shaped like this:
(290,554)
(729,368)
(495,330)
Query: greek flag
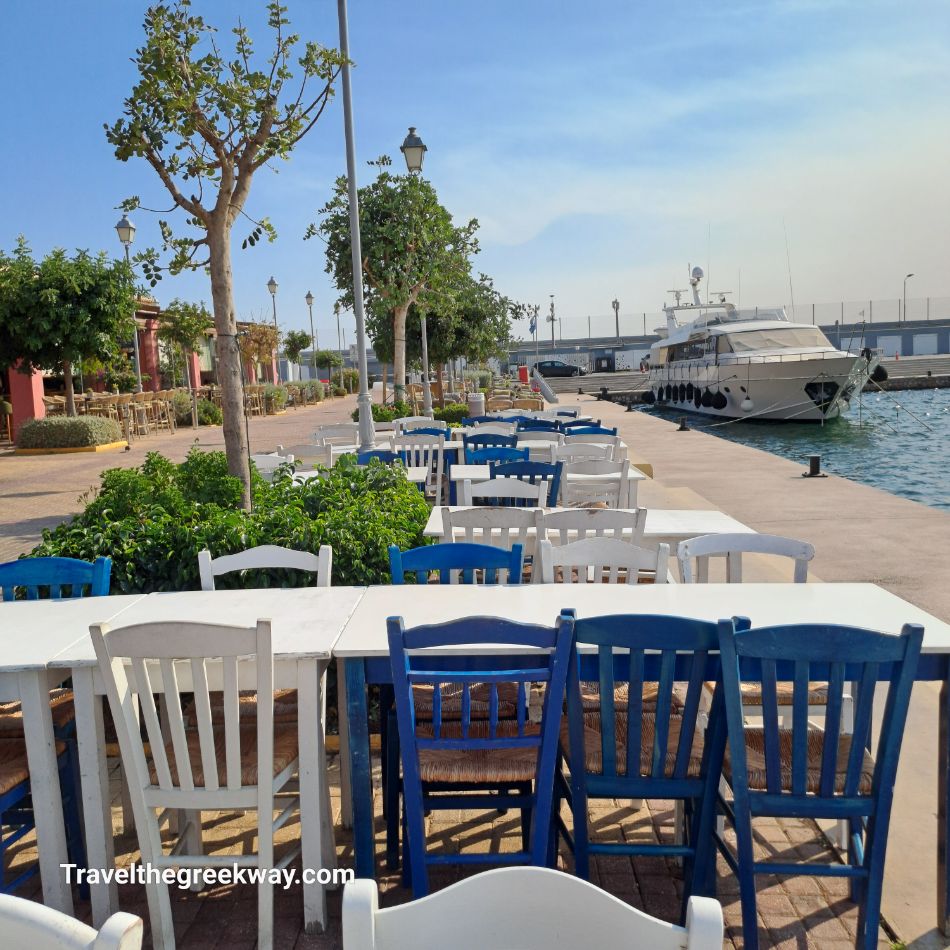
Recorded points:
(533,326)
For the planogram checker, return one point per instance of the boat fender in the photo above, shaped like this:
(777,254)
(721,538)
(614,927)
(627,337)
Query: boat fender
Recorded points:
(879,374)
(697,397)
(669,391)
(719,401)
(649,398)
(682,392)
(689,391)
(706,399)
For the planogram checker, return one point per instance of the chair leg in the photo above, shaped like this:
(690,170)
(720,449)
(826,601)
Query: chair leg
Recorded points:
(159,902)
(391,794)
(581,839)
(265,890)
(193,841)
(745,857)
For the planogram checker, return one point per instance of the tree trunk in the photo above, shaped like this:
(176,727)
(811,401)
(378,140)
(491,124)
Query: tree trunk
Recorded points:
(70,393)
(229,358)
(194,398)
(399,353)
(385,371)
(443,382)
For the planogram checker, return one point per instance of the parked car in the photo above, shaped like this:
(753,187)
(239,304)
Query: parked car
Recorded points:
(558,368)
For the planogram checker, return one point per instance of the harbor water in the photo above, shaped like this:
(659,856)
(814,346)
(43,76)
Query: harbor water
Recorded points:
(896,441)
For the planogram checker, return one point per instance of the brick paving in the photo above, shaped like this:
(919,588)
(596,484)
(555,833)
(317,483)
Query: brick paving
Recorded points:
(38,492)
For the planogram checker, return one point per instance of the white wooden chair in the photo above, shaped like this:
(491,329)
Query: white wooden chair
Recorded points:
(732,547)
(341,433)
(499,527)
(408,423)
(266,556)
(511,490)
(615,492)
(612,440)
(576,524)
(541,435)
(219,766)
(493,428)
(525,907)
(602,561)
(307,457)
(424,451)
(268,463)
(29,924)
(582,450)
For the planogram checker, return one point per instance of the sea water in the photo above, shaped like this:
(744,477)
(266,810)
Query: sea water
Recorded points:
(895,441)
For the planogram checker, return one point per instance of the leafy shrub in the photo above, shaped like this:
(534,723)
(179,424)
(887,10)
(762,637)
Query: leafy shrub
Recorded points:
(483,376)
(153,520)
(385,413)
(275,397)
(315,390)
(453,413)
(209,414)
(181,405)
(62,432)
(339,391)
(351,380)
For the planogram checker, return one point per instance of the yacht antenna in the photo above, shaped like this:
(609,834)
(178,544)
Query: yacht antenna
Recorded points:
(788,262)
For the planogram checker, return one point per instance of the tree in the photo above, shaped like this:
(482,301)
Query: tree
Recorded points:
(411,250)
(182,326)
(295,342)
(206,121)
(59,311)
(257,342)
(329,359)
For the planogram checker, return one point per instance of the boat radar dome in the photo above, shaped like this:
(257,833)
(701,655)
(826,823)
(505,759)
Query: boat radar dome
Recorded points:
(697,275)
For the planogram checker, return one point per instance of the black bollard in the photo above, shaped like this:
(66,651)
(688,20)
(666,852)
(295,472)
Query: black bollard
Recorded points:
(683,426)
(814,468)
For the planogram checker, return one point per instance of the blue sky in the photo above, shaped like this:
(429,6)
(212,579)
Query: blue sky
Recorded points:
(602,145)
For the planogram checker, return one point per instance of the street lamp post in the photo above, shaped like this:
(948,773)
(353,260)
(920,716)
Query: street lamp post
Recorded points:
(907,278)
(272,287)
(363,401)
(414,150)
(339,342)
(313,336)
(126,231)
(552,318)
(616,305)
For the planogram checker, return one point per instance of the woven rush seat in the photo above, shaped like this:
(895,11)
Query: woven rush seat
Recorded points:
(784,693)
(479,695)
(593,752)
(14,769)
(590,696)
(477,765)
(755,761)
(285,706)
(285,754)
(61,707)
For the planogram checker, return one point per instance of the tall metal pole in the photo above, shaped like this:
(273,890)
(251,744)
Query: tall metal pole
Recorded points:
(339,346)
(616,305)
(273,299)
(135,335)
(426,388)
(313,336)
(537,344)
(363,401)
(907,278)
(551,318)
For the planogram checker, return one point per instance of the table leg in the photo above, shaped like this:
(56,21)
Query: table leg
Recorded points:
(361,777)
(943,806)
(44,788)
(313,786)
(94,776)
(343,726)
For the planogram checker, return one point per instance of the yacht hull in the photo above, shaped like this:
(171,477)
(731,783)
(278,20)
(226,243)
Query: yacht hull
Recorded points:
(790,388)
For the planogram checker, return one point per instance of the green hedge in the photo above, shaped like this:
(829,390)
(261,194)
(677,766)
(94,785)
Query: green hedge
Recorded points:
(453,413)
(63,432)
(153,520)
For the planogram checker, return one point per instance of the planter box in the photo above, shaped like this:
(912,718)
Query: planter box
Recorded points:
(107,447)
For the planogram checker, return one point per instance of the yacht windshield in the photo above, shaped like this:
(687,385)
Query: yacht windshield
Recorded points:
(777,338)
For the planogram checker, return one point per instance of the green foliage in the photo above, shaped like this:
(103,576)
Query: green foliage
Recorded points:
(154,520)
(119,375)
(209,414)
(61,432)
(339,391)
(181,328)
(295,342)
(453,413)
(62,309)
(351,380)
(275,397)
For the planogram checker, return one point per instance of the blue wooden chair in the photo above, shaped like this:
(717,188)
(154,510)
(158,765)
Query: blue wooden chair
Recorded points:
(589,430)
(384,456)
(569,413)
(808,772)
(472,420)
(492,762)
(638,731)
(576,423)
(425,430)
(457,563)
(495,454)
(40,577)
(533,472)
(487,440)
(539,425)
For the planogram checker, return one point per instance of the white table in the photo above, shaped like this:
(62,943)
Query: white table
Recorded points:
(364,649)
(482,473)
(35,631)
(306,622)
(663,525)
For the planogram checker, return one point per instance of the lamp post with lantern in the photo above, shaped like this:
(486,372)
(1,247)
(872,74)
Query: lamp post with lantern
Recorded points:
(272,287)
(126,231)
(313,336)
(414,150)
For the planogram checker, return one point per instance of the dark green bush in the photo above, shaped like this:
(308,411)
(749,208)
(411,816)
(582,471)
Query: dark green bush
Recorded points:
(453,413)
(339,391)
(209,414)
(275,397)
(152,521)
(63,432)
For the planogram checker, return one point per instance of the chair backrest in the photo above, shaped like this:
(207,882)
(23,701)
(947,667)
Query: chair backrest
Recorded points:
(540,435)
(382,455)
(457,564)
(180,654)
(417,660)
(26,923)
(426,430)
(494,427)
(533,473)
(827,763)
(268,464)
(530,908)
(408,423)
(649,743)
(499,527)
(574,422)
(602,561)
(588,430)
(486,440)
(42,577)
(610,484)
(563,527)
(732,547)
(477,420)
(342,433)
(539,425)
(505,492)
(267,557)
(308,457)
(423,450)
(571,452)
(495,454)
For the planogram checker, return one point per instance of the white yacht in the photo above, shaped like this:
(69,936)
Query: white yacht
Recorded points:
(720,361)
